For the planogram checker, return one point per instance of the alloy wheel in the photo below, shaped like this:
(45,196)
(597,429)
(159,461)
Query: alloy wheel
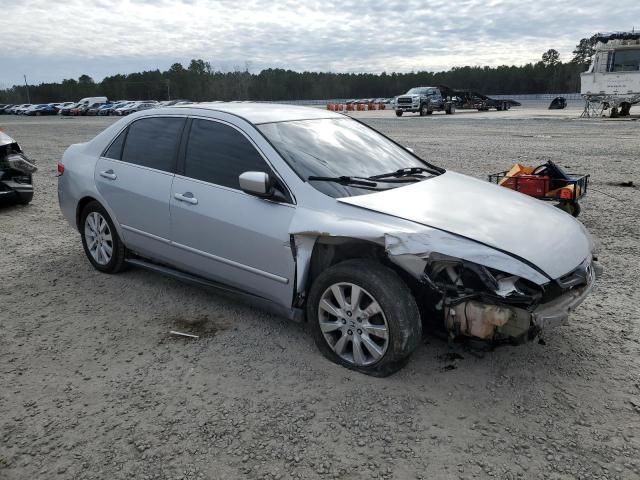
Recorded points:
(98,237)
(353,324)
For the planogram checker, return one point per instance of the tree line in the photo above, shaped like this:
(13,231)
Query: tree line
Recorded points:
(200,82)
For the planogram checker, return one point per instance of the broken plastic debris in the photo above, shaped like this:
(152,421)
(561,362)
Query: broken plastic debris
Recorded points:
(182,334)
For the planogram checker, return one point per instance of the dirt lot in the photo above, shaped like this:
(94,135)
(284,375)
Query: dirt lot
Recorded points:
(92,386)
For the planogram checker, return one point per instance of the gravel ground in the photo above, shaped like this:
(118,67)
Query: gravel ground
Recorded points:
(92,386)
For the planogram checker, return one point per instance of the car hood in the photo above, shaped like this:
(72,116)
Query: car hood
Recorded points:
(522,226)
(5,139)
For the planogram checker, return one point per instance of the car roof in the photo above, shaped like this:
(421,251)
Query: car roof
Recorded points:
(257,113)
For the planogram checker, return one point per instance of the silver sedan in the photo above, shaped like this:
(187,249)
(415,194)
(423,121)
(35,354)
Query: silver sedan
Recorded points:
(320,218)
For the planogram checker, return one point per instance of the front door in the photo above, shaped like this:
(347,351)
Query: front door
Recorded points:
(222,233)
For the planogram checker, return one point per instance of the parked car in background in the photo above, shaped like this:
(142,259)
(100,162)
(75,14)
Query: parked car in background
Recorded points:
(94,109)
(16,171)
(136,107)
(92,100)
(356,234)
(20,109)
(67,110)
(111,108)
(42,109)
(4,110)
(425,101)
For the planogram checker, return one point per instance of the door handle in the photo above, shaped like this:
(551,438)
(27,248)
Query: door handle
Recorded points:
(186,197)
(108,174)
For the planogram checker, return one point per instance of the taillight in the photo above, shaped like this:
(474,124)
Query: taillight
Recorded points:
(60,169)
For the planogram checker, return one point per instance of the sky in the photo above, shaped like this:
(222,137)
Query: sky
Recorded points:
(49,40)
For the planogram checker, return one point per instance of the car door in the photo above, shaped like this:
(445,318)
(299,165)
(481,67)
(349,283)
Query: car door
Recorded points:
(221,232)
(134,177)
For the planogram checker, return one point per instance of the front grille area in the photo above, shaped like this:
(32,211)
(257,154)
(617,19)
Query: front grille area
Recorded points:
(405,101)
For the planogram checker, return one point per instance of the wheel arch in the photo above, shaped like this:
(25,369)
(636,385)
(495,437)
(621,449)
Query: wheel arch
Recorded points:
(84,201)
(328,251)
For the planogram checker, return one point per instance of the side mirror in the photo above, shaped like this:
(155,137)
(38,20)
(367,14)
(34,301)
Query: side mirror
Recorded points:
(256,183)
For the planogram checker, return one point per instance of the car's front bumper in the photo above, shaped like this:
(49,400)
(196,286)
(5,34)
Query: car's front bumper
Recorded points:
(557,311)
(406,107)
(498,321)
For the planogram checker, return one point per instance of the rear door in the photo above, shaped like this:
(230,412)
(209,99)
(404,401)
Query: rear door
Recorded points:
(134,177)
(219,231)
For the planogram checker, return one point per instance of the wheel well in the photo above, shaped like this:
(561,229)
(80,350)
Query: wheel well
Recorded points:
(329,251)
(81,204)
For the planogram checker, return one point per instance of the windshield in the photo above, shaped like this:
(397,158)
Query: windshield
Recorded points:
(421,91)
(335,148)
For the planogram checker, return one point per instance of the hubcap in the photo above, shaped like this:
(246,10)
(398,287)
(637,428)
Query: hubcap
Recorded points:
(98,237)
(353,324)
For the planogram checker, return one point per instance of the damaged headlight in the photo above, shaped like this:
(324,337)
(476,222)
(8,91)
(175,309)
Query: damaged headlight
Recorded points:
(19,162)
(458,279)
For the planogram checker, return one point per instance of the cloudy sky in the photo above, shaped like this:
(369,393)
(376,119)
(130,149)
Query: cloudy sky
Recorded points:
(51,40)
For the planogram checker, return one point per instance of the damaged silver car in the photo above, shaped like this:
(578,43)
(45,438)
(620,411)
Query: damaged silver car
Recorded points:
(320,218)
(16,172)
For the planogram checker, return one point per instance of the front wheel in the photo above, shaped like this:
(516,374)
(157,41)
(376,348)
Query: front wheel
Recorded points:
(364,317)
(398,113)
(424,110)
(100,240)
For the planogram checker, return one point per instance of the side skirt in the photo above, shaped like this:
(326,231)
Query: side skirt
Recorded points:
(295,314)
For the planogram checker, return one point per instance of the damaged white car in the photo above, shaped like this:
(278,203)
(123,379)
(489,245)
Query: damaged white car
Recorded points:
(320,218)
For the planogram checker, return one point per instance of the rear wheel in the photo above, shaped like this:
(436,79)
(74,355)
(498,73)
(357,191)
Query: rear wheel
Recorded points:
(364,317)
(100,240)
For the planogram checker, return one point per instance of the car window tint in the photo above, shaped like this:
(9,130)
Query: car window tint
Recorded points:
(153,142)
(217,153)
(115,150)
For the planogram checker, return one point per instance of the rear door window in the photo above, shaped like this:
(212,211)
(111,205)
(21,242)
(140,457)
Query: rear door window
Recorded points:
(153,142)
(217,153)
(115,149)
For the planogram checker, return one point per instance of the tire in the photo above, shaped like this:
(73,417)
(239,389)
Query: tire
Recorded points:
(398,318)
(625,109)
(450,109)
(572,208)
(116,261)
(424,110)
(24,198)
(429,112)
(398,113)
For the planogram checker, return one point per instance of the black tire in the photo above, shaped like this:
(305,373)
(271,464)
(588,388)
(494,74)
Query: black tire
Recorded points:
(429,112)
(24,198)
(423,110)
(398,113)
(396,301)
(572,208)
(450,109)
(117,262)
